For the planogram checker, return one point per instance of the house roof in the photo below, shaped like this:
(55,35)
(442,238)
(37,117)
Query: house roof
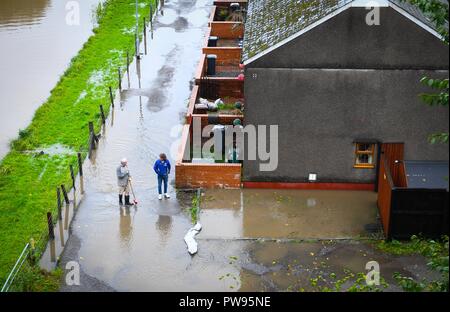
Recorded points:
(272,23)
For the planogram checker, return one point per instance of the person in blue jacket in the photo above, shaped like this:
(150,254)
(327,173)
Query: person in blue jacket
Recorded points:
(162,169)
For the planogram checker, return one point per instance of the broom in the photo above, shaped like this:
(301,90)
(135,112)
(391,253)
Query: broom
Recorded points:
(132,192)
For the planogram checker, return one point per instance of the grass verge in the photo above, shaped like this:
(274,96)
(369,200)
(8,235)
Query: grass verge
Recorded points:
(28,178)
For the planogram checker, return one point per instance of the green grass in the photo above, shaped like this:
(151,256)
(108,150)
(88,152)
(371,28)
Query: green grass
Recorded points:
(34,279)
(28,181)
(416,245)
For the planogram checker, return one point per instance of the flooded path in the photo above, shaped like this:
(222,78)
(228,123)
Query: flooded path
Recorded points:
(141,248)
(36,46)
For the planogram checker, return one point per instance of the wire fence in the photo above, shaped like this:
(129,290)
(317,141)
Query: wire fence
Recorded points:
(26,267)
(23,273)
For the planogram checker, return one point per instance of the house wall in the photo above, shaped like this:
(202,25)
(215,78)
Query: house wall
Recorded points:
(320,113)
(343,81)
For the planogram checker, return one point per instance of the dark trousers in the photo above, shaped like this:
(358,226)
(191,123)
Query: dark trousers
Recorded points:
(161,179)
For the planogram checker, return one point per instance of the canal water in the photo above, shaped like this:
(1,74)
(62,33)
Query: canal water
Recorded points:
(36,46)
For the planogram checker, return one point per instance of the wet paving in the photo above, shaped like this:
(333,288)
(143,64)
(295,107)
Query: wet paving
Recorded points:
(243,243)
(308,266)
(36,46)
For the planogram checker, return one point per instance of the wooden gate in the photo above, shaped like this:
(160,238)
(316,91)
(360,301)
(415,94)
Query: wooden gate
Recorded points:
(393,154)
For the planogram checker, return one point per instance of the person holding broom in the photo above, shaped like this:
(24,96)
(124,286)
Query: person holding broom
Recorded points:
(123,181)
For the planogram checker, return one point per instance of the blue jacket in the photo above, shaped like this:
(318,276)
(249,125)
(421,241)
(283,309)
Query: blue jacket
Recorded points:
(162,167)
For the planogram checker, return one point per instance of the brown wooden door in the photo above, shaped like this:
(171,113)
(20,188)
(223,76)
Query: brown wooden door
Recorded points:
(393,153)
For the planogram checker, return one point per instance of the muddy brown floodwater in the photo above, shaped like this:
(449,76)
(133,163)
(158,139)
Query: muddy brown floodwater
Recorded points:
(251,239)
(36,46)
(301,214)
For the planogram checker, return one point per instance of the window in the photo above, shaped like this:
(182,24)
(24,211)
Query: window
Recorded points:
(365,155)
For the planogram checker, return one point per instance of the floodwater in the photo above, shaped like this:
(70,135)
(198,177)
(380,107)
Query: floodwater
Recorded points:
(141,248)
(36,47)
(301,214)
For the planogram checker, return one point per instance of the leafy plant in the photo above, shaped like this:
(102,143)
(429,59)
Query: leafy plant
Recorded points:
(437,11)
(435,251)
(236,16)
(222,14)
(356,283)
(194,208)
(23,133)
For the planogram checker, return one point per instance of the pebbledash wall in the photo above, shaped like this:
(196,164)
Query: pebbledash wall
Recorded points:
(340,82)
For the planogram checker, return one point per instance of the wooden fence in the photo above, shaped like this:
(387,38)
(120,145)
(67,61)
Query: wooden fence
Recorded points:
(409,211)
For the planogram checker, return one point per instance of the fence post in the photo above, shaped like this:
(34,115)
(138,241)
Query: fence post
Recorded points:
(151,18)
(58,196)
(80,170)
(91,127)
(128,68)
(91,145)
(32,250)
(102,114)
(67,212)
(92,138)
(59,213)
(145,38)
(136,46)
(51,233)
(111,97)
(72,175)
(80,164)
(66,197)
(120,79)
(58,201)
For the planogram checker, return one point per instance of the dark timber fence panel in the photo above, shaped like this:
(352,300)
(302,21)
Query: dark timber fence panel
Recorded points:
(419,211)
(405,212)
(208,88)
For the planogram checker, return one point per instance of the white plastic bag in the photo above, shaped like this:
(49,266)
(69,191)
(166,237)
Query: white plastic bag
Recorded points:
(190,240)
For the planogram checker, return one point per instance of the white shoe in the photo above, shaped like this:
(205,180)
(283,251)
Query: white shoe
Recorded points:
(166,195)
(159,196)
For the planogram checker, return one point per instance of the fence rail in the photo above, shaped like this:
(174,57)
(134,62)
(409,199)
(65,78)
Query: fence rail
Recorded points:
(17,266)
